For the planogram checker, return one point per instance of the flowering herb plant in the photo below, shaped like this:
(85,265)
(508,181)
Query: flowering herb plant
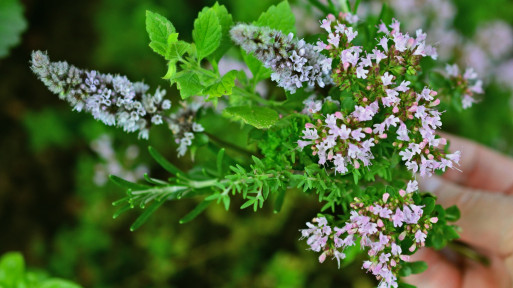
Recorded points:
(351,120)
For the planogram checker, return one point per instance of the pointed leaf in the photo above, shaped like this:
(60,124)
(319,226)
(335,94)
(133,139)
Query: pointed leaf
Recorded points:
(127,184)
(188,83)
(279,17)
(196,211)
(207,32)
(146,214)
(226,21)
(222,87)
(259,117)
(159,29)
(163,162)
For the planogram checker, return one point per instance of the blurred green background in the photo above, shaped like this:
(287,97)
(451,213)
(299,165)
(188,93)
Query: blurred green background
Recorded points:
(53,212)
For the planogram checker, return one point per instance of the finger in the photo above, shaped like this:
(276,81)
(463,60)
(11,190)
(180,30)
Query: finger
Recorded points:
(440,273)
(481,168)
(485,217)
(478,275)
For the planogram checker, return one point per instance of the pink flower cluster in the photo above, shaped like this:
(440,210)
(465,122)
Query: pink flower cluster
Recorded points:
(466,82)
(369,223)
(385,107)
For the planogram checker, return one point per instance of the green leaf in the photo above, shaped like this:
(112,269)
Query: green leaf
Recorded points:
(188,83)
(405,285)
(163,162)
(12,269)
(226,21)
(222,87)
(171,71)
(278,203)
(279,17)
(429,203)
(159,29)
(207,32)
(256,67)
(127,184)
(176,49)
(196,211)
(452,213)
(450,233)
(12,24)
(259,117)
(58,283)
(418,267)
(146,214)
(248,203)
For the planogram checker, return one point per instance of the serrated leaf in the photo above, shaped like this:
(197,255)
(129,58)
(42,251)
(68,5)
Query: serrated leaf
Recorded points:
(226,21)
(176,49)
(222,87)
(159,29)
(207,32)
(188,83)
(259,117)
(256,67)
(163,162)
(12,25)
(146,214)
(196,211)
(279,17)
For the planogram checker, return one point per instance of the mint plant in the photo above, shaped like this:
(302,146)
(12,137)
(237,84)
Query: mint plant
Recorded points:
(355,124)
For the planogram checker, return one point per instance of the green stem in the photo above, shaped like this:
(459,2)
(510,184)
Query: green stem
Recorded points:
(345,6)
(320,6)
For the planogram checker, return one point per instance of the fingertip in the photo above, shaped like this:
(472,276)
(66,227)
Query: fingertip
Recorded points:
(440,272)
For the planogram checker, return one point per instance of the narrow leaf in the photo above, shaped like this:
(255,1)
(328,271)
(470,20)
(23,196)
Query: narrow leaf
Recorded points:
(127,184)
(163,162)
(146,214)
(196,211)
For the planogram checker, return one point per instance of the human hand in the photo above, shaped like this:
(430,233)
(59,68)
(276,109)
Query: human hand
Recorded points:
(483,191)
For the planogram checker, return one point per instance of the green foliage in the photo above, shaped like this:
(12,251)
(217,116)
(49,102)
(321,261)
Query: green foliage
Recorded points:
(160,30)
(12,24)
(259,117)
(279,17)
(207,32)
(226,21)
(14,275)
